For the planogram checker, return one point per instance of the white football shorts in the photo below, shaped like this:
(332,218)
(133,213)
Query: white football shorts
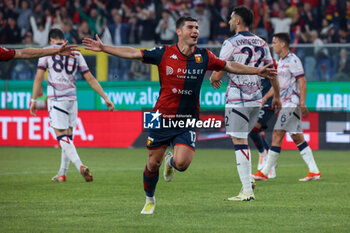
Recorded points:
(240,120)
(63,114)
(289,120)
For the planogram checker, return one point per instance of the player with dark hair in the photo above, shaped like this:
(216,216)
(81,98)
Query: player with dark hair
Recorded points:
(62,100)
(293,94)
(28,53)
(181,70)
(244,92)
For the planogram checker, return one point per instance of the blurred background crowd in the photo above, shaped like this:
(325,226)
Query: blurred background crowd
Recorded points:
(149,22)
(146,23)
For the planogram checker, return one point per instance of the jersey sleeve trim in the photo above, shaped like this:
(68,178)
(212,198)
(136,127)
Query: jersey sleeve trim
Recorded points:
(299,76)
(41,68)
(84,72)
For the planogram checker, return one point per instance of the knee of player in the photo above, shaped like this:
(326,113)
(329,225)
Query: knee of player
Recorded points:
(154,164)
(182,166)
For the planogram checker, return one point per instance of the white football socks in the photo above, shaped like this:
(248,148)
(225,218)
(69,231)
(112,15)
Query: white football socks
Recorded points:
(70,151)
(64,164)
(308,157)
(150,199)
(244,166)
(271,159)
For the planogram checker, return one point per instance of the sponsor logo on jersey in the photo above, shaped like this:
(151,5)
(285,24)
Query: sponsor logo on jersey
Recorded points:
(182,92)
(169,70)
(190,71)
(174,57)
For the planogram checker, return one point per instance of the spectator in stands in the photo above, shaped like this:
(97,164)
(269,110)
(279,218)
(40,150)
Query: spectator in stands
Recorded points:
(275,10)
(11,33)
(91,19)
(28,39)
(48,13)
(83,31)
(146,18)
(321,54)
(57,20)
(166,28)
(23,16)
(343,67)
(221,14)
(40,31)
(169,5)
(182,7)
(261,15)
(319,51)
(38,12)
(118,30)
(203,16)
(134,37)
(344,35)
(314,6)
(325,30)
(309,18)
(69,33)
(282,23)
(332,14)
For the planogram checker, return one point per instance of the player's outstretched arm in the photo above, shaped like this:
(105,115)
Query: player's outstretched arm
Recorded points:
(119,51)
(28,53)
(36,87)
(94,84)
(215,79)
(302,87)
(237,68)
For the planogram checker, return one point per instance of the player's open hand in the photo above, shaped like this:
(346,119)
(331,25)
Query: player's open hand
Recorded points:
(68,50)
(216,84)
(110,105)
(277,104)
(33,108)
(304,111)
(94,45)
(266,72)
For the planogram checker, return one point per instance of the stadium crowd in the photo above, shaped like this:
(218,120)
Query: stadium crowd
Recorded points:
(146,22)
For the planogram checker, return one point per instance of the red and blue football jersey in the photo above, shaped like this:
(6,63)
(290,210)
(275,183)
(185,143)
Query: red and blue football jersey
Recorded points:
(180,78)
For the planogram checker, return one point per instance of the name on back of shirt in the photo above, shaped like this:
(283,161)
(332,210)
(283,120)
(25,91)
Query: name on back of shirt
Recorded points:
(255,41)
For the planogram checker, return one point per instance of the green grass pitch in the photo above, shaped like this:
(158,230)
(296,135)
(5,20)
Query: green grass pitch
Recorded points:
(193,202)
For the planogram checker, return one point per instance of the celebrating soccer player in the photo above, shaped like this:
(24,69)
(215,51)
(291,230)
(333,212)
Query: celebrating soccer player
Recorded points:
(293,92)
(243,96)
(62,100)
(181,70)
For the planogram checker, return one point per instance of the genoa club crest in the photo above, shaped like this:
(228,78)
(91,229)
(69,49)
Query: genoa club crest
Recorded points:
(198,58)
